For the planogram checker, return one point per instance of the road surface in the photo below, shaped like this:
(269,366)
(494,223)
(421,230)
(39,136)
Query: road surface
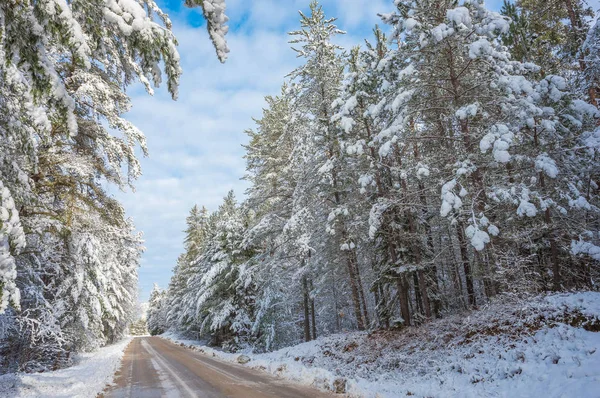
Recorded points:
(154,367)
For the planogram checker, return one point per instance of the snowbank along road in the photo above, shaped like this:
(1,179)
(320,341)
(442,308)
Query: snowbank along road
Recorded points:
(154,367)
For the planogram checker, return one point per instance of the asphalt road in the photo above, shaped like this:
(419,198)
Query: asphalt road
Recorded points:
(154,367)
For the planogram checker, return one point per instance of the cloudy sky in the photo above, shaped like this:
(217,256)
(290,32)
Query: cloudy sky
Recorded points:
(196,142)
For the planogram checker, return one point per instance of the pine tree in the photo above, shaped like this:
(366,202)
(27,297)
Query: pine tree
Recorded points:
(65,69)
(156,311)
(196,232)
(319,81)
(443,168)
(271,234)
(552,36)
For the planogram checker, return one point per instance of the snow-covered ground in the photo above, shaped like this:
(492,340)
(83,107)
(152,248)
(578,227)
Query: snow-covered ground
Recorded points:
(545,346)
(86,379)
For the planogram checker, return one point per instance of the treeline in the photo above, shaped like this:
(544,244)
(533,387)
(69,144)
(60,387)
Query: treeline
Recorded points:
(68,254)
(418,175)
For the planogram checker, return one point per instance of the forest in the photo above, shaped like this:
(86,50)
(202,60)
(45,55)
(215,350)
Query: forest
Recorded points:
(448,162)
(69,255)
(450,159)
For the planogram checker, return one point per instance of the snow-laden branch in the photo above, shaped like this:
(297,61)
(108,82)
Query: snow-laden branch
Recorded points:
(216,20)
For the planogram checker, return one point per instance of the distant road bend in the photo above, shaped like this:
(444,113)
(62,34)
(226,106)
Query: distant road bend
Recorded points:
(154,367)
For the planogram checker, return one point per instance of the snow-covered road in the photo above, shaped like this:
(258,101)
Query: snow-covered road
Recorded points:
(154,367)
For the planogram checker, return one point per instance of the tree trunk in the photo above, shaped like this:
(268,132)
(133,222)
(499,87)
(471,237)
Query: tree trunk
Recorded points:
(381,306)
(466,265)
(488,286)
(423,288)
(361,290)
(355,294)
(556,278)
(402,285)
(312,312)
(384,291)
(420,285)
(355,285)
(377,301)
(306,308)
(313,317)
(417,287)
(338,324)
(433,275)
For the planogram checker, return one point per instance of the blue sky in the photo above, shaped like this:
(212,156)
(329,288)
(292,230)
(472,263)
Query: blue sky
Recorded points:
(196,142)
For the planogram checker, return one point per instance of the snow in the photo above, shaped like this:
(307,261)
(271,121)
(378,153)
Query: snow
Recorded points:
(86,379)
(449,199)
(77,37)
(128,15)
(494,22)
(11,235)
(486,142)
(581,203)
(375,216)
(167,386)
(588,303)
(516,346)
(459,15)
(410,23)
(479,48)
(500,137)
(385,149)
(592,141)
(166,373)
(478,237)
(546,164)
(347,124)
(142,310)
(422,171)
(493,230)
(214,12)
(441,31)
(502,156)
(467,111)
(588,248)
(526,209)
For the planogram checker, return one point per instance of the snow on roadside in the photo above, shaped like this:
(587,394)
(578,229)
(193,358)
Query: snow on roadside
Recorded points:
(514,347)
(86,379)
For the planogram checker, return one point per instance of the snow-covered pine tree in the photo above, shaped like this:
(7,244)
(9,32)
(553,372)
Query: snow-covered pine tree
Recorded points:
(65,68)
(196,232)
(182,282)
(553,37)
(157,322)
(222,298)
(439,171)
(318,84)
(363,120)
(178,287)
(461,90)
(271,170)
